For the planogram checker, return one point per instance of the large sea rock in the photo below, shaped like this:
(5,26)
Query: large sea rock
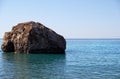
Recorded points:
(33,37)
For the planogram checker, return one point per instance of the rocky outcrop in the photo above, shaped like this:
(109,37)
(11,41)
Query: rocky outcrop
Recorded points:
(33,37)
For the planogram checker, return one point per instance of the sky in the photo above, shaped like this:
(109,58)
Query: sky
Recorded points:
(69,18)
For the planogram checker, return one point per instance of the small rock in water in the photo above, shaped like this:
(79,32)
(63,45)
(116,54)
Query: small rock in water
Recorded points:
(33,37)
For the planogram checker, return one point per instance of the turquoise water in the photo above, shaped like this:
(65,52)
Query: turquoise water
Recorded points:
(84,59)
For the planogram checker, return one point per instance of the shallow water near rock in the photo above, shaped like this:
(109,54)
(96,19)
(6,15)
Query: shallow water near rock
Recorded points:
(84,59)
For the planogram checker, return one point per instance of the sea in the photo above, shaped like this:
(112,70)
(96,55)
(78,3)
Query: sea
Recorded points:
(83,59)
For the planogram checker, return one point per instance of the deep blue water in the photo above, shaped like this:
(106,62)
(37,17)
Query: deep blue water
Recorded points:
(84,59)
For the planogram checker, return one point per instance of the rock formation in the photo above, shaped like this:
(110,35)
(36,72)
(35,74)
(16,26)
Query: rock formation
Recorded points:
(33,37)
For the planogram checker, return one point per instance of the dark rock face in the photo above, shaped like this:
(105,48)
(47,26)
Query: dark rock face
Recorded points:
(32,37)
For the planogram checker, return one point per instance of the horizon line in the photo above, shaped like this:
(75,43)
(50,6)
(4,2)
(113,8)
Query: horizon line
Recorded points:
(88,38)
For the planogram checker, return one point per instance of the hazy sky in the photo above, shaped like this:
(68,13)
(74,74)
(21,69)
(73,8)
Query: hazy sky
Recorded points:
(70,18)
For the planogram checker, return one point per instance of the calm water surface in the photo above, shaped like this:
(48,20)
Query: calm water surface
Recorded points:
(84,59)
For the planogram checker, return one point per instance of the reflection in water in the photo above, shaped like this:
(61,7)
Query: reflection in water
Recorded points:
(33,65)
